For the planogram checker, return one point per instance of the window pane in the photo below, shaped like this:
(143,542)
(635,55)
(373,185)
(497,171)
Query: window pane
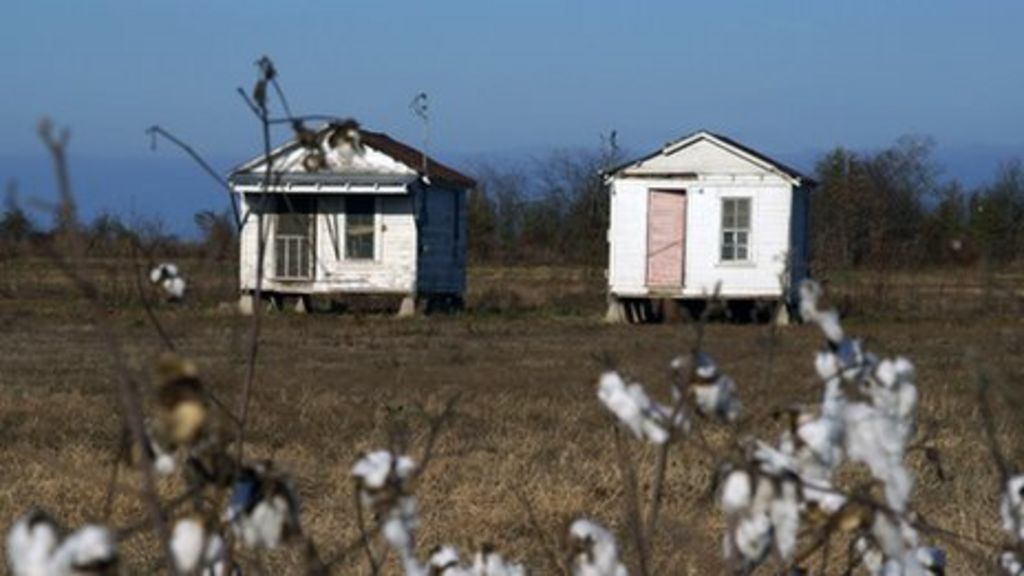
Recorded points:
(741,238)
(741,252)
(743,213)
(279,257)
(727,251)
(359,227)
(728,213)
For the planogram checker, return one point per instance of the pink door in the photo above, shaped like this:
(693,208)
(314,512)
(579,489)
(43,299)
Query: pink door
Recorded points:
(666,238)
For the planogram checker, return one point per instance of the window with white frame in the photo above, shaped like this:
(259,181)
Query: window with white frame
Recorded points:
(360,227)
(293,238)
(735,229)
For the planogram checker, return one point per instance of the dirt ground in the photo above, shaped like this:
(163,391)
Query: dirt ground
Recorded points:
(331,386)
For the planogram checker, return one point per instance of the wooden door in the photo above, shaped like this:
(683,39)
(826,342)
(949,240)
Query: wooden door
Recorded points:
(666,238)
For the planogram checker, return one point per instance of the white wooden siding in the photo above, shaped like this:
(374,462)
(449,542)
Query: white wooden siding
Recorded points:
(771,201)
(393,269)
(704,156)
(709,170)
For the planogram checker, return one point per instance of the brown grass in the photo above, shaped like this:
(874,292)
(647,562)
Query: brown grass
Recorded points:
(331,386)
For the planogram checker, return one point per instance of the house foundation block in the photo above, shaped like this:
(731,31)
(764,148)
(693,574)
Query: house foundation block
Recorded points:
(782,315)
(407,308)
(246,304)
(616,313)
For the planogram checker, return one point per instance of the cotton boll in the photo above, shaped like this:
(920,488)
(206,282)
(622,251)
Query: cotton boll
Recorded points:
(737,493)
(613,393)
(174,287)
(784,512)
(193,547)
(487,563)
(810,293)
(1011,508)
(828,320)
(1010,564)
(89,550)
(706,369)
(826,364)
(30,544)
(717,399)
(646,419)
(773,461)
(874,439)
(263,509)
(400,524)
(373,469)
(445,562)
(821,440)
(870,556)
(753,539)
(886,373)
(594,550)
(166,275)
(164,464)
(162,271)
(264,526)
(187,542)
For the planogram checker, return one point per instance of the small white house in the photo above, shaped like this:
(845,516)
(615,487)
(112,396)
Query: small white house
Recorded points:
(349,211)
(705,211)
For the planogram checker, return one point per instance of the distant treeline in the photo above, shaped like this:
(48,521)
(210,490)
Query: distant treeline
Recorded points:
(878,209)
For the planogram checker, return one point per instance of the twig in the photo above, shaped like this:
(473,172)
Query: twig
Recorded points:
(131,403)
(156,130)
(634,519)
(436,423)
(661,464)
(364,535)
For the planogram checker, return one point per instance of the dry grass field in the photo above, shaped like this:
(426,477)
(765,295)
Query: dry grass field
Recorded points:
(330,386)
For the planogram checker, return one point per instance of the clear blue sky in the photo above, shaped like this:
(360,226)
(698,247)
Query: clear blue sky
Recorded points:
(785,76)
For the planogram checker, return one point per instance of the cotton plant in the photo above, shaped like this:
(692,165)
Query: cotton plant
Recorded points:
(181,418)
(766,499)
(36,546)
(384,485)
(383,482)
(594,551)
(874,433)
(167,277)
(749,537)
(263,510)
(762,508)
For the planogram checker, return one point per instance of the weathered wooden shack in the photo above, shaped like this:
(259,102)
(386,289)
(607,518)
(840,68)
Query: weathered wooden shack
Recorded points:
(701,212)
(354,212)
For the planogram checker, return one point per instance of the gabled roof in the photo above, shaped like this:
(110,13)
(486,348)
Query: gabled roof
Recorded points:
(409,158)
(735,147)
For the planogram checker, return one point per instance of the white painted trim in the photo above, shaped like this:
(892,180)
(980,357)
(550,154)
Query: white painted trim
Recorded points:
(397,189)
